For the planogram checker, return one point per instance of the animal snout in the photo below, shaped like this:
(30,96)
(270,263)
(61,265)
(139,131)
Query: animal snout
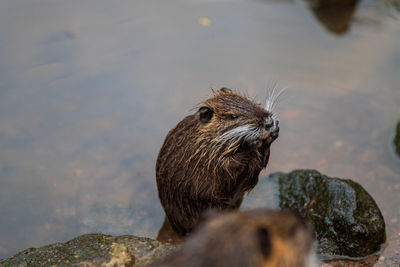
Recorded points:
(268,123)
(275,128)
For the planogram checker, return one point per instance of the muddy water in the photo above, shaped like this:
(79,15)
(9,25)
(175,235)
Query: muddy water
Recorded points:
(89,90)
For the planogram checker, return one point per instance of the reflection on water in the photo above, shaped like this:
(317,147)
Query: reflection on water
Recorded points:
(89,90)
(335,15)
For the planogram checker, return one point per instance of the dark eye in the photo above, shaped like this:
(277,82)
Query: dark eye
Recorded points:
(233,116)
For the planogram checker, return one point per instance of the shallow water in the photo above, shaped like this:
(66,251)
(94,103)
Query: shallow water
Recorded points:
(89,90)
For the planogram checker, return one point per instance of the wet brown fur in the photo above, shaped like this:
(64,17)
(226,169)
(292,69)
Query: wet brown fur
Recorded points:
(196,170)
(251,238)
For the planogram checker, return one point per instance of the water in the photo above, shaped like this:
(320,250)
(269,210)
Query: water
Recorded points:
(89,89)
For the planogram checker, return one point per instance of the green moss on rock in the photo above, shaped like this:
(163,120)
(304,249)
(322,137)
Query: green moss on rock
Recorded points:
(93,250)
(347,220)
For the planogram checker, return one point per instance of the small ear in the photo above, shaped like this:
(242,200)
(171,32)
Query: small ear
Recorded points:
(224,89)
(206,114)
(264,241)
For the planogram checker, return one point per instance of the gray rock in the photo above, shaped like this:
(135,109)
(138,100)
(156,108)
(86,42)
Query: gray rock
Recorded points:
(347,221)
(93,250)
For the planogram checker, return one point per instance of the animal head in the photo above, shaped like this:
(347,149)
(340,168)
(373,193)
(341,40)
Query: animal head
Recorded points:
(235,119)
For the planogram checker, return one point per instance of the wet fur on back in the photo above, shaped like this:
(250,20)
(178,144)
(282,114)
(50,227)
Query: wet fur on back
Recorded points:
(212,157)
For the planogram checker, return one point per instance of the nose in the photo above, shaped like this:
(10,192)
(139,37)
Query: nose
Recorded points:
(268,123)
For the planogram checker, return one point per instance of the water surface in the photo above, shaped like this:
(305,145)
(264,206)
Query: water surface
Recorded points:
(89,89)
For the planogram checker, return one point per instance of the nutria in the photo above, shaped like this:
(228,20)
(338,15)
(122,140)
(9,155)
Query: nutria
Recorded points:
(212,157)
(250,238)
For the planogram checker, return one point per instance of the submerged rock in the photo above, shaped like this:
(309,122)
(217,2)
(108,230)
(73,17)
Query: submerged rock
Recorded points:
(397,138)
(347,221)
(335,15)
(93,250)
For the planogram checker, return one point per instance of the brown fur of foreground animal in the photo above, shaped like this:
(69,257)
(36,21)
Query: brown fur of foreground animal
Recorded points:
(250,238)
(213,157)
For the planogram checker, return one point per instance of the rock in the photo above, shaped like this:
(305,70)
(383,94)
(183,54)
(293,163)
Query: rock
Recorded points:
(93,250)
(397,138)
(347,221)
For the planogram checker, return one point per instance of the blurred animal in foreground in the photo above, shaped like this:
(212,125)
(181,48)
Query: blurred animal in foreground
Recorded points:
(249,238)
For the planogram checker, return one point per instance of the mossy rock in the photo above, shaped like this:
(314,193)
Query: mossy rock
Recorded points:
(347,221)
(93,250)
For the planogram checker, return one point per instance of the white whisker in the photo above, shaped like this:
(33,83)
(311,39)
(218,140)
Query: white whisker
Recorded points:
(273,96)
(236,135)
(237,132)
(275,101)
